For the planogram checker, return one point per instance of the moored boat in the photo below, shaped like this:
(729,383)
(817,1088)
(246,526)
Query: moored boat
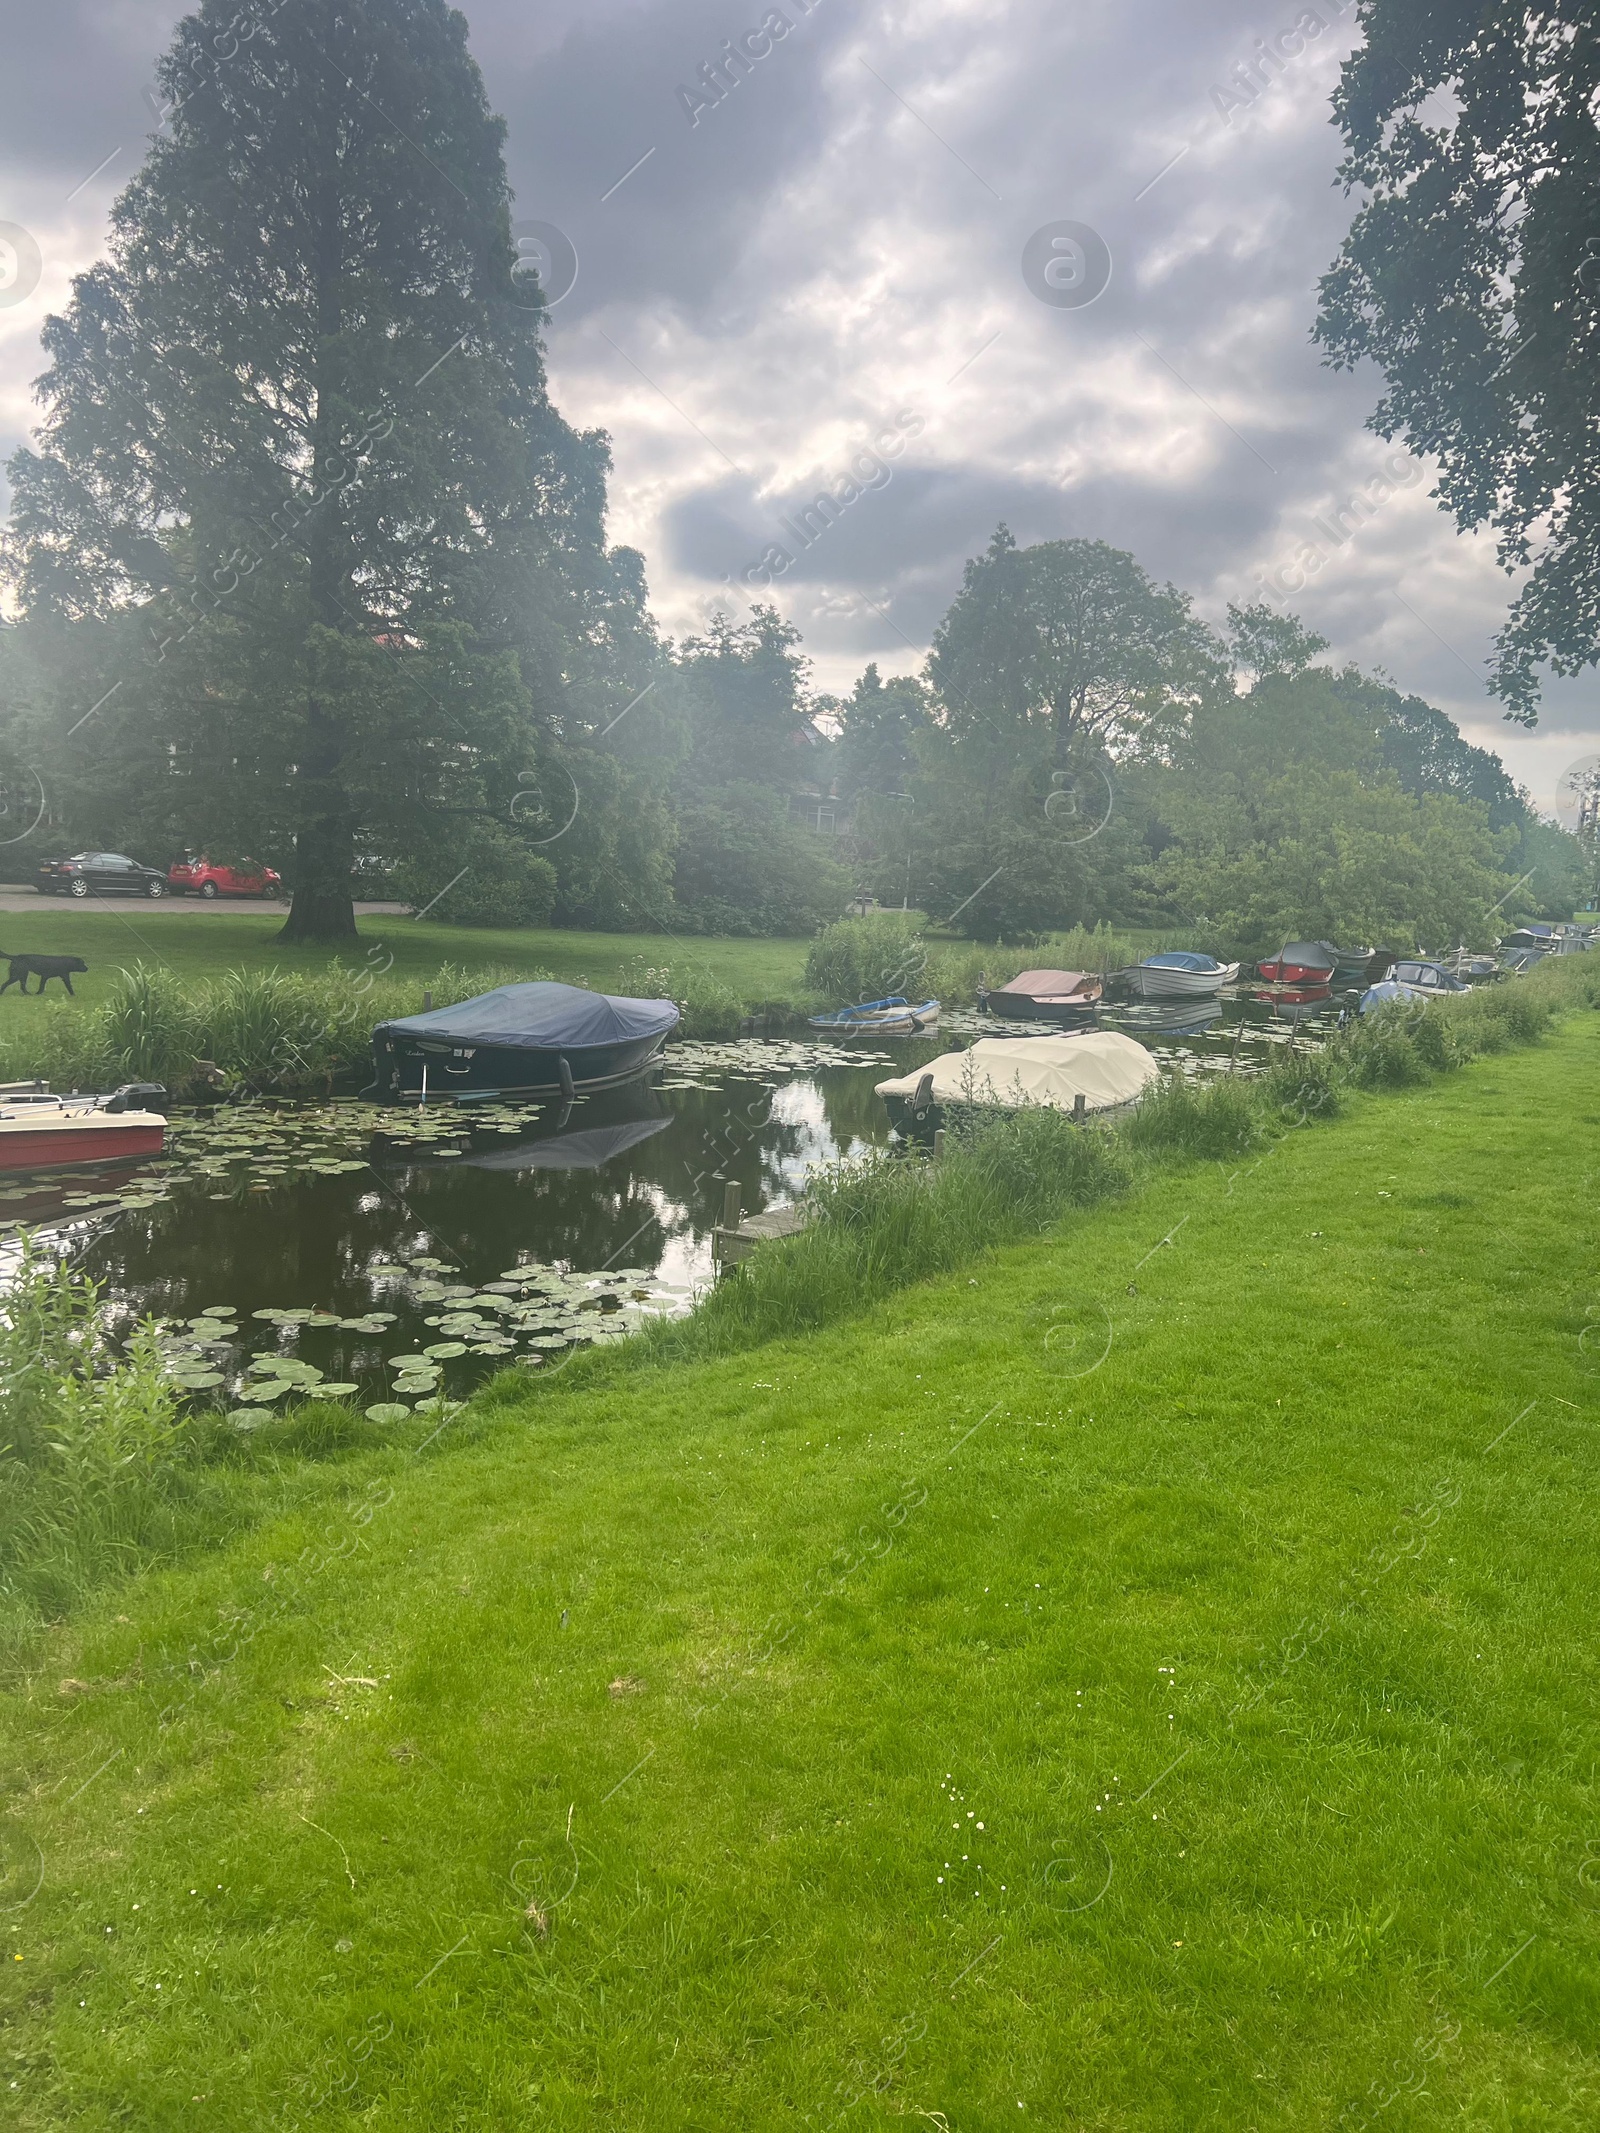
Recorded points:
(1353,966)
(893,1017)
(53,1132)
(1465,963)
(1043,996)
(1413,978)
(1178,974)
(1301,963)
(1103,1067)
(520,1037)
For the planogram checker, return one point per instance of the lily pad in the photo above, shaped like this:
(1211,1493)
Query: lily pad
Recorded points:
(330,1392)
(441,1351)
(322,1318)
(389,1411)
(403,1362)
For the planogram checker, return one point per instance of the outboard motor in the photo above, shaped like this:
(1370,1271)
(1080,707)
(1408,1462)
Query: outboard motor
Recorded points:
(138,1096)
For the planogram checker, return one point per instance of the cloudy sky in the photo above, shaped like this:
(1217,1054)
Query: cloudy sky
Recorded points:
(834,253)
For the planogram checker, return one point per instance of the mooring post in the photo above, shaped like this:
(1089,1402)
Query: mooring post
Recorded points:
(938,1144)
(427,1003)
(1079,1106)
(732,1205)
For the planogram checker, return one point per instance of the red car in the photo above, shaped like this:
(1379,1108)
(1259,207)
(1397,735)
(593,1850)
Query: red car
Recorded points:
(209,878)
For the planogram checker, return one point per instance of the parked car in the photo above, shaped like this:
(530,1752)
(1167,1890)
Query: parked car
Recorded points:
(210,878)
(99,874)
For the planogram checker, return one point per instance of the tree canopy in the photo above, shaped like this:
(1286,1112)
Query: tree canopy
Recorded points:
(1471,276)
(1069,642)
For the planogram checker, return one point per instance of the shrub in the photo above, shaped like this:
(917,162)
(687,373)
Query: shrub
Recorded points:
(709,1007)
(1215,1121)
(94,1453)
(1380,1052)
(504,884)
(868,959)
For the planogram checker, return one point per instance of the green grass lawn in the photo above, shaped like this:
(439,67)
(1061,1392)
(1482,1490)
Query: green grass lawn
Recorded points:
(202,943)
(1148,1684)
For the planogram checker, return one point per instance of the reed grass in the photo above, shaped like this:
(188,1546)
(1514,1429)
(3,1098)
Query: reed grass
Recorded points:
(96,1454)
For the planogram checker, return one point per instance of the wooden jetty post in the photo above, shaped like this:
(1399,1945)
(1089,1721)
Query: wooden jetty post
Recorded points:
(1079,1108)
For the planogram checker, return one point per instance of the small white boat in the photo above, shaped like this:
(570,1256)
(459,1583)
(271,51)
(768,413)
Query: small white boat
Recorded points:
(1179,974)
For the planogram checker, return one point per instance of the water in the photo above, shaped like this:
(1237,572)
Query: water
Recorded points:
(323,1238)
(324,1250)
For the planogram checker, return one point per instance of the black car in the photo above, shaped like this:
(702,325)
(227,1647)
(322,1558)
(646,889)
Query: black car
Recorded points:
(99,874)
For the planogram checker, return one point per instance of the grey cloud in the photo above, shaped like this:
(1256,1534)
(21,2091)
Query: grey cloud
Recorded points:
(800,259)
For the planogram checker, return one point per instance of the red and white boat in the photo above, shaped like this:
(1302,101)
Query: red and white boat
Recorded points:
(1300,963)
(51,1132)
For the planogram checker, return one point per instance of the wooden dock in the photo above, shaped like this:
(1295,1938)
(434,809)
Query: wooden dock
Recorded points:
(737,1234)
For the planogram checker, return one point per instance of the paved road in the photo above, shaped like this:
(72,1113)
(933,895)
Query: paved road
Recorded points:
(13,898)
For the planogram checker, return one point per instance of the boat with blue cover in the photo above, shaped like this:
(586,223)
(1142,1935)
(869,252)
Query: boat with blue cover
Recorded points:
(560,1039)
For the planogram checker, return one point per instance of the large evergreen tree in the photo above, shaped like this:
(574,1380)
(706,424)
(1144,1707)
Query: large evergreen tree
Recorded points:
(300,499)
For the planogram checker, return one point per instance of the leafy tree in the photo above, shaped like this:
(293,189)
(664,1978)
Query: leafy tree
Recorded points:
(744,868)
(1327,854)
(1068,644)
(1286,720)
(880,723)
(745,686)
(299,467)
(1471,276)
(1264,642)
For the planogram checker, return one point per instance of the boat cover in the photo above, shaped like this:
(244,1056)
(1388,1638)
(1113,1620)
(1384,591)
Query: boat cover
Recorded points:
(1389,989)
(1103,1066)
(1047,985)
(547,1017)
(1307,955)
(1181,959)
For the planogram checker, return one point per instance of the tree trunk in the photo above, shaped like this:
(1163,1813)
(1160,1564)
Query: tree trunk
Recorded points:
(323,909)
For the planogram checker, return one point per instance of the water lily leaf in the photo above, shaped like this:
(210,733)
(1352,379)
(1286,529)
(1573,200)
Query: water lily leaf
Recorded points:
(400,1362)
(411,1387)
(330,1391)
(442,1350)
(388,1411)
(322,1318)
(197,1380)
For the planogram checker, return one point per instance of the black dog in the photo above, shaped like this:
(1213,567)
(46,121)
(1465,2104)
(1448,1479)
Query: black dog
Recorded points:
(42,967)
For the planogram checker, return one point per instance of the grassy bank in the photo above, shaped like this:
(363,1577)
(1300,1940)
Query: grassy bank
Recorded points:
(198,944)
(1227,1554)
